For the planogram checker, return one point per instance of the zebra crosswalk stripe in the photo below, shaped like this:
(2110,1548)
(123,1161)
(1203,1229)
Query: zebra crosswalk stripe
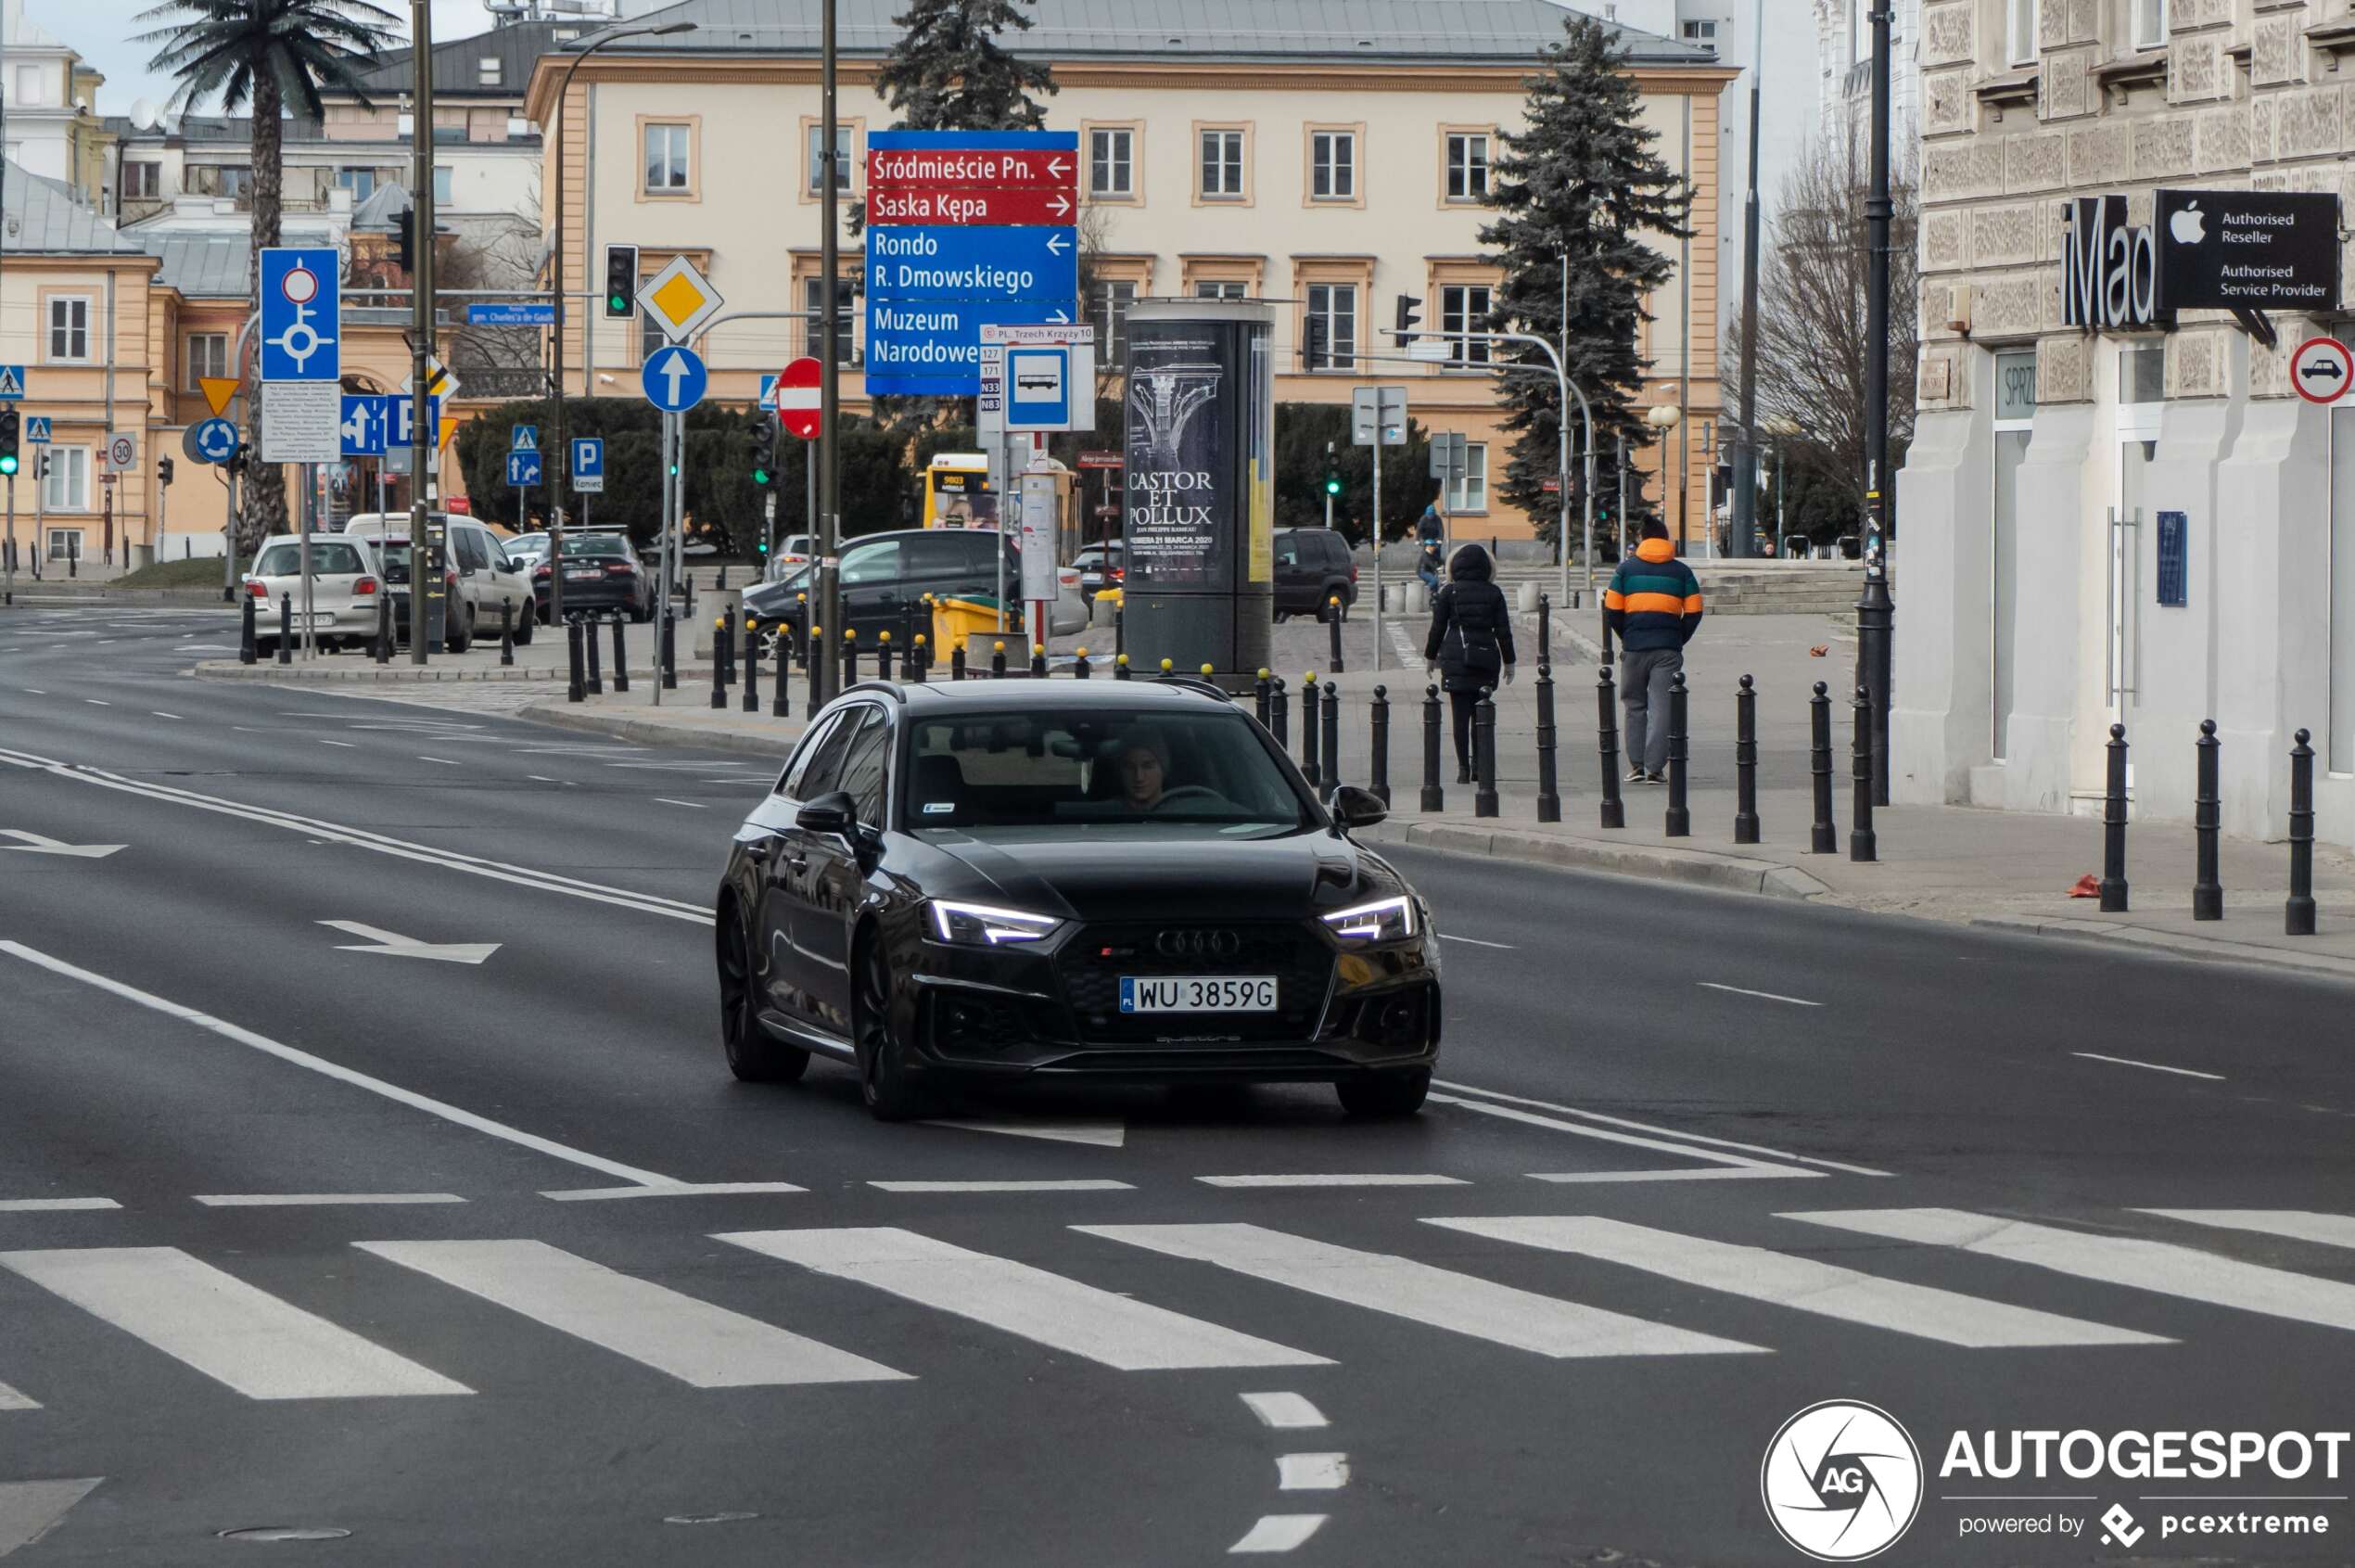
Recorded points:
(1061,1313)
(2160,1267)
(1419,1292)
(2298,1225)
(693,1341)
(1802,1283)
(230,1331)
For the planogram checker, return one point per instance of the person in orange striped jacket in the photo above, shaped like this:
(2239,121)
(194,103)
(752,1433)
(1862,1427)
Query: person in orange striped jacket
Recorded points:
(1653,607)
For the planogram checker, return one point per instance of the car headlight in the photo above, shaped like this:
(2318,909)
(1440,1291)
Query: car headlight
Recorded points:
(984,925)
(1386,919)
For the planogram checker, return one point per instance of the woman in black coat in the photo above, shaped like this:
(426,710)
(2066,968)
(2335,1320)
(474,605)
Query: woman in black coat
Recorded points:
(1471,643)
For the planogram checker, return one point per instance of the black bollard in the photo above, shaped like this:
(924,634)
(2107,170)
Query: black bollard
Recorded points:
(506,633)
(621,656)
(2207,809)
(2298,915)
(752,665)
(849,657)
(781,702)
(1259,693)
(997,659)
(1332,623)
(801,629)
(1332,741)
(596,675)
(245,645)
(1680,816)
(1120,629)
(1613,811)
(1549,801)
(1484,754)
(719,663)
(723,650)
(1377,733)
(920,659)
(1309,764)
(577,683)
(1861,844)
(816,665)
(1435,797)
(1039,661)
(669,659)
(723,577)
(957,664)
(1120,667)
(1546,641)
(1279,707)
(1745,764)
(286,625)
(2113,886)
(382,640)
(883,656)
(1079,671)
(1824,839)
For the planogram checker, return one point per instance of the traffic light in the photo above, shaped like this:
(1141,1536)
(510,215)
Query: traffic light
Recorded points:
(1332,481)
(163,470)
(1408,307)
(621,280)
(10,424)
(404,239)
(764,450)
(41,464)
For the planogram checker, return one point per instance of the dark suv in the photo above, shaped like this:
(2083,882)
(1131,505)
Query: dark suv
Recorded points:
(886,576)
(1312,566)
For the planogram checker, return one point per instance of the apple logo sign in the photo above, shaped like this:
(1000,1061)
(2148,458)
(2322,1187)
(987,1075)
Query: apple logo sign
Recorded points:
(2184,227)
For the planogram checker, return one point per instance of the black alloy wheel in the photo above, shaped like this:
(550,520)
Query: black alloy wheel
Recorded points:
(883,1061)
(753,1056)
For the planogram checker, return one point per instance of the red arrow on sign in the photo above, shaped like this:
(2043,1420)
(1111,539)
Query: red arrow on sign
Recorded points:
(796,397)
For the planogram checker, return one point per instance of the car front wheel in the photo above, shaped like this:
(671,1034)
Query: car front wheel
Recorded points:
(883,1061)
(1385,1094)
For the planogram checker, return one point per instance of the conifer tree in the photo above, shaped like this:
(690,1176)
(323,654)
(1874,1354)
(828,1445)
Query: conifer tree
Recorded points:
(1579,186)
(947,71)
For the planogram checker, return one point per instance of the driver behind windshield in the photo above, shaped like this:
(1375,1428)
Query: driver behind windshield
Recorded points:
(1142,769)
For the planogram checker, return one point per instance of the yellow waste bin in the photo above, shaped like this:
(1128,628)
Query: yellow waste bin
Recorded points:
(956,620)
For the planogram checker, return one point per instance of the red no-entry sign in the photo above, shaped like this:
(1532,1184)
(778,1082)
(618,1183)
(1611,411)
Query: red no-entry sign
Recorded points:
(796,397)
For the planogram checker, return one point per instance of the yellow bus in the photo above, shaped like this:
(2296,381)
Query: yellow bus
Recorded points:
(958,493)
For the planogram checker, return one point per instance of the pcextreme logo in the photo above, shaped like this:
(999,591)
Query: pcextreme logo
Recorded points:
(1842,1481)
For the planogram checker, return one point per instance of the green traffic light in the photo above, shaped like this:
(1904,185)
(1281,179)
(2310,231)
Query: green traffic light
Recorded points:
(8,463)
(760,476)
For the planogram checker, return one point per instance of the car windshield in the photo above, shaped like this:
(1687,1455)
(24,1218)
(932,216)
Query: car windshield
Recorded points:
(597,546)
(329,558)
(1111,769)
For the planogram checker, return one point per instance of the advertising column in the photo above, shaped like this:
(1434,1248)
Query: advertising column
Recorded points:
(1201,487)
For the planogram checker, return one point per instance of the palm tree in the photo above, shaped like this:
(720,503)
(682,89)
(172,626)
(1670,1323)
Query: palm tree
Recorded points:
(266,55)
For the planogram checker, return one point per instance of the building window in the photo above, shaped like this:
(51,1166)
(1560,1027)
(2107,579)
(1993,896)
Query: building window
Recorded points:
(1467,166)
(813,173)
(142,181)
(441,197)
(232,180)
(68,328)
(487,70)
(2020,19)
(813,319)
(361,182)
(666,158)
(1221,288)
(1333,306)
(1109,310)
(1333,165)
(1470,492)
(2015,424)
(68,484)
(1222,166)
(1111,163)
(1463,310)
(208,355)
(1703,32)
(2150,23)
(65,544)
(1860,31)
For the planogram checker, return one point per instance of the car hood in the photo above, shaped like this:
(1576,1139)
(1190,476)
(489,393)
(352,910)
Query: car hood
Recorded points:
(1177,877)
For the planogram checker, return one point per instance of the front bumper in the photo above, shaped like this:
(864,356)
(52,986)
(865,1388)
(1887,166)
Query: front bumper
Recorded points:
(1055,1013)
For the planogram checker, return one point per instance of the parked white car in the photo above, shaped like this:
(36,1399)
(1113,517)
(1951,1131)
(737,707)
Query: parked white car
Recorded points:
(488,576)
(346,582)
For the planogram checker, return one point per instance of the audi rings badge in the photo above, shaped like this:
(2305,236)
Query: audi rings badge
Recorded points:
(1199,943)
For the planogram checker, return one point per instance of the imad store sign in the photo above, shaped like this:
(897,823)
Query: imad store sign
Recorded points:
(2235,250)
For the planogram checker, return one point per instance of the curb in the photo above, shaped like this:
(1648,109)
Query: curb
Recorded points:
(1699,867)
(194,598)
(653,732)
(2212,949)
(369,674)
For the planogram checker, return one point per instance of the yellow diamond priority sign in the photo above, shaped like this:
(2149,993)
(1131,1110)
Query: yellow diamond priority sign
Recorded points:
(680,300)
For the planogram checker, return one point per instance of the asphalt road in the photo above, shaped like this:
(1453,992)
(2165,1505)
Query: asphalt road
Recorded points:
(492,1262)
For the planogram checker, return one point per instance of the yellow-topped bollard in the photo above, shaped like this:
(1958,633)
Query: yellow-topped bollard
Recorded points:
(1167,666)
(1207,670)
(885,635)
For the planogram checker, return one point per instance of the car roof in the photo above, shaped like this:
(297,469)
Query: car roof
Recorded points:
(944,697)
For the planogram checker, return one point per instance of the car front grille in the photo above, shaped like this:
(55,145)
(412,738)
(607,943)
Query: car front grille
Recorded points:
(1092,963)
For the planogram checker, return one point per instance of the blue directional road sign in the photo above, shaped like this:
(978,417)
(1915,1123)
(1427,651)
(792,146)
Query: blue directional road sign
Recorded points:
(523,468)
(215,441)
(589,465)
(941,262)
(674,378)
(933,347)
(365,420)
(302,306)
(11,382)
(36,428)
(523,312)
(523,438)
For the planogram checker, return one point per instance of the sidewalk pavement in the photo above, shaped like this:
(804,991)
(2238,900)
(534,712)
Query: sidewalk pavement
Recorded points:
(2003,870)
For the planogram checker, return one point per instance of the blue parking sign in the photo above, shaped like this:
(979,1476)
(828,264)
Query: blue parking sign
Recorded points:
(404,419)
(589,465)
(302,310)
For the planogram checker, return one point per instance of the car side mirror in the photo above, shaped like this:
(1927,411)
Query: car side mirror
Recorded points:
(1353,807)
(834,812)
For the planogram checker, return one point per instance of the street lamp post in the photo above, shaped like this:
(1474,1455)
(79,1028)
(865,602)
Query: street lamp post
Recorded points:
(1746,438)
(1875,610)
(1665,418)
(1782,430)
(559,449)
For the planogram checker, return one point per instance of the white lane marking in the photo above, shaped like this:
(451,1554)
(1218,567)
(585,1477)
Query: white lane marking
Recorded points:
(701,1345)
(1802,1283)
(1311,1472)
(1648,1126)
(52,1205)
(1106,1135)
(665,800)
(1766,996)
(30,1510)
(2148,1067)
(2116,1260)
(1417,1291)
(36,844)
(450,860)
(443,760)
(409,1098)
(1284,1411)
(2298,1225)
(230,1331)
(391,944)
(705,766)
(1709,1173)
(1278,1532)
(1078,1186)
(1509,1113)
(159,713)
(346,744)
(542,778)
(97,702)
(12,1400)
(1060,1313)
(1372,1179)
(34,690)
(319,1200)
(1474,941)
(670,1190)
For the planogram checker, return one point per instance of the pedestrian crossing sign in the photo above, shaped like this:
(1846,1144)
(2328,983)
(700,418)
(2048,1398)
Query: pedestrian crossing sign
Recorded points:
(525,438)
(36,428)
(11,382)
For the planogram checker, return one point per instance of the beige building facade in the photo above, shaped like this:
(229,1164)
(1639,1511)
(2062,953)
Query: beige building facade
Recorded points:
(1320,164)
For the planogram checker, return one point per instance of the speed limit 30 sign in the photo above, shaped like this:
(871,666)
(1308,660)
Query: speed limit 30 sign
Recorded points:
(2322,370)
